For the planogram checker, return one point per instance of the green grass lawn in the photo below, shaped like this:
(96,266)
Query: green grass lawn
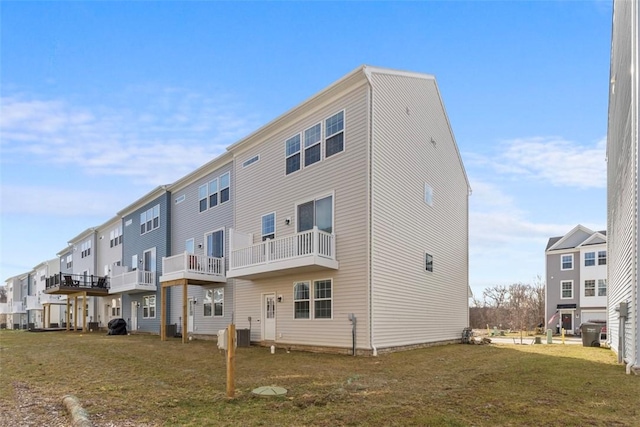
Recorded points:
(143,380)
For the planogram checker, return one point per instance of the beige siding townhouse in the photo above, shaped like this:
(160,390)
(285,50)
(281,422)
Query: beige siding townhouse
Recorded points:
(351,220)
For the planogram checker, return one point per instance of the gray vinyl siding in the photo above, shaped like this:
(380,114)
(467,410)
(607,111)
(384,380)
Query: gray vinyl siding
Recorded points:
(136,243)
(264,187)
(622,179)
(106,254)
(188,222)
(409,304)
(555,275)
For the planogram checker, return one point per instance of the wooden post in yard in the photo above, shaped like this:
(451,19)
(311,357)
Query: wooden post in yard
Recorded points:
(231,360)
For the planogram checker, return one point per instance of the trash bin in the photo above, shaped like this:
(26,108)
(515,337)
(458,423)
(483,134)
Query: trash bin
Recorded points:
(590,334)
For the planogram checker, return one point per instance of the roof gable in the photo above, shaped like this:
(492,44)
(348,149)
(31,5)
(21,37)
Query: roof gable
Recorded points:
(572,239)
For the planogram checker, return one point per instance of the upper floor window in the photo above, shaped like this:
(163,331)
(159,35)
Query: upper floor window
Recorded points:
(150,219)
(602,287)
(69,261)
(115,236)
(334,134)
(293,154)
(318,213)
(428,194)
(216,192)
(85,248)
(589,288)
(311,141)
(567,289)
(268,226)
(602,257)
(589,259)
(566,262)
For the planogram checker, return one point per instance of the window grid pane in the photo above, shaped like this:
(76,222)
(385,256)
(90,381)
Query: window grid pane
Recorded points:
(589,259)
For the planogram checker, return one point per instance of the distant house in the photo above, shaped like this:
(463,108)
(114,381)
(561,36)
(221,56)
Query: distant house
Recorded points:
(576,273)
(623,216)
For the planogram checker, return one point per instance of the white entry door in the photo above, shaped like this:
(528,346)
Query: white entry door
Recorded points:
(269,317)
(134,316)
(191,315)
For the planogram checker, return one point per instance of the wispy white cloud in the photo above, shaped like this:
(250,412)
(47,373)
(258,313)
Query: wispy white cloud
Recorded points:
(554,160)
(172,133)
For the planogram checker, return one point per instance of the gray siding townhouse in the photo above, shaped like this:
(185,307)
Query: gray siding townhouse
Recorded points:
(351,220)
(194,275)
(15,308)
(109,264)
(51,305)
(146,240)
(576,273)
(623,220)
(85,271)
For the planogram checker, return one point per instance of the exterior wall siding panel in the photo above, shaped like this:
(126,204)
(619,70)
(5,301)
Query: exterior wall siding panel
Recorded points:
(413,146)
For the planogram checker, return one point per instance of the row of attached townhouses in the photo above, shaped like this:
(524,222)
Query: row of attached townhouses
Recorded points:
(341,224)
(576,285)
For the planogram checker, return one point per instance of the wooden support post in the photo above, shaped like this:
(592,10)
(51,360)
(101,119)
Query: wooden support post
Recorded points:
(184,311)
(231,360)
(163,313)
(68,313)
(75,311)
(84,312)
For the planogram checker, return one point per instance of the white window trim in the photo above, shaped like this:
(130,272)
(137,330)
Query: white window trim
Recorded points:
(293,313)
(181,198)
(193,244)
(304,148)
(344,133)
(561,263)
(425,263)
(561,293)
(208,193)
(205,302)
(598,258)
(594,259)
(606,289)
(313,299)
(262,234)
(250,161)
(220,188)
(206,197)
(205,245)
(313,199)
(300,152)
(595,287)
(155,302)
(213,303)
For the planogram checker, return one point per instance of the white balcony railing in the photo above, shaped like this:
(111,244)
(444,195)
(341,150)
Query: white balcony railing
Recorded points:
(137,280)
(18,307)
(308,243)
(32,303)
(186,265)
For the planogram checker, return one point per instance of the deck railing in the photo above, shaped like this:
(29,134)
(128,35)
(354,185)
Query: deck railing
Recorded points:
(193,263)
(138,278)
(80,281)
(312,242)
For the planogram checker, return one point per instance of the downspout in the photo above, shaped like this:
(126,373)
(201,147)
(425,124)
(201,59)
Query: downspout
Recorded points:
(371,213)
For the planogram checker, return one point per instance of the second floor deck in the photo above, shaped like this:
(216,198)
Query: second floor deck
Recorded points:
(65,284)
(198,269)
(132,282)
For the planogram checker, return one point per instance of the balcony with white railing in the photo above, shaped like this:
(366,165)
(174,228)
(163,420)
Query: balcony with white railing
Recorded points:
(133,282)
(306,251)
(31,303)
(18,308)
(196,268)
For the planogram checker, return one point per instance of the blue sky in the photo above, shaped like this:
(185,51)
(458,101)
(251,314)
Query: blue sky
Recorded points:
(103,101)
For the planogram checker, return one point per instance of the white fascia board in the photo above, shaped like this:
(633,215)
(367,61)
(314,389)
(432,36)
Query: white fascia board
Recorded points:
(578,227)
(201,172)
(150,196)
(593,237)
(86,233)
(108,224)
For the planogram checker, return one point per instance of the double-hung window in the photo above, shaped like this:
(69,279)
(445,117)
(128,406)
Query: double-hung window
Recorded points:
(213,193)
(268,226)
(150,219)
(428,262)
(312,139)
(218,302)
(202,197)
(208,303)
(567,289)
(318,213)
(225,183)
(334,134)
(301,298)
(566,262)
(589,288)
(322,300)
(602,287)
(602,258)
(589,259)
(293,154)
(149,307)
